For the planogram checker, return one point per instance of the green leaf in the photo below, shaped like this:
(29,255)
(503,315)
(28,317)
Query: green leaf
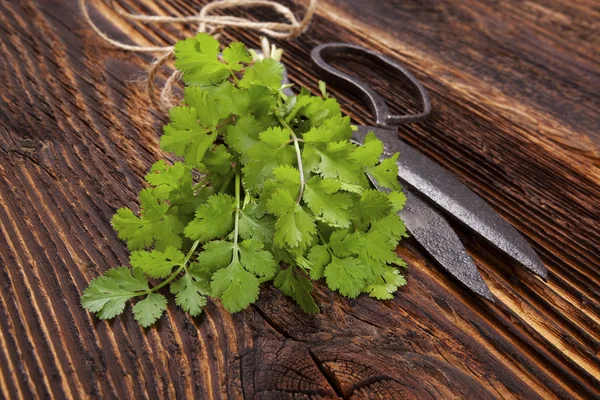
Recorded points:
(323,88)
(185,137)
(244,133)
(217,161)
(207,112)
(235,54)
(157,264)
(197,59)
(333,129)
(262,159)
(368,154)
(336,163)
(314,110)
(295,227)
(329,206)
(154,226)
(373,205)
(215,255)
(127,279)
(213,219)
(346,275)
(256,224)
(235,286)
(344,244)
(275,136)
(285,178)
(266,72)
(256,260)
(318,257)
(386,284)
(292,283)
(106,295)
(191,290)
(386,173)
(398,200)
(149,310)
(166,178)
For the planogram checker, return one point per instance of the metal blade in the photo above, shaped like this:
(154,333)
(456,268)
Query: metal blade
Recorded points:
(444,190)
(438,238)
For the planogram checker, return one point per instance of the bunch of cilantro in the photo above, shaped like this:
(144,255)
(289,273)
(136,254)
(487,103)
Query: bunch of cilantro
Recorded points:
(268,188)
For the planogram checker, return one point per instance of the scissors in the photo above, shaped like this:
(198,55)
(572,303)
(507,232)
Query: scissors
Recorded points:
(430,190)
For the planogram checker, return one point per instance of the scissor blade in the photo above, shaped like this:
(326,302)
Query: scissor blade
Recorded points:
(440,187)
(437,237)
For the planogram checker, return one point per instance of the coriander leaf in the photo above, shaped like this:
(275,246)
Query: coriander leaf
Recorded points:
(185,137)
(352,188)
(344,244)
(257,225)
(204,103)
(386,284)
(323,88)
(346,275)
(368,154)
(235,54)
(386,173)
(127,279)
(373,205)
(235,286)
(275,136)
(149,310)
(329,206)
(215,255)
(213,219)
(318,257)
(266,72)
(217,161)
(191,290)
(314,109)
(244,133)
(390,229)
(336,163)
(398,200)
(155,225)
(105,297)
(175,183)
(292,283)
(257,101)
(197,59)
(295,227)
(256,260)
(262,159)
(285,178)
(157,264)
(333,129)
(166,178)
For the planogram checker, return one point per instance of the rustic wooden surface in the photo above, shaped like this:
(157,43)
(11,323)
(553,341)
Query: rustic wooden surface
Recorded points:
(515,89)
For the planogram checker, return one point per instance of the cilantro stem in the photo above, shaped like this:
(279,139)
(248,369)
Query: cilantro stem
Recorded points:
(182,266)
(237,206)
(298,156)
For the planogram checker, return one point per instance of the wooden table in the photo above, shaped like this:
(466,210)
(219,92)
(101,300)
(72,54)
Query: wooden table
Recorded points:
(515,88)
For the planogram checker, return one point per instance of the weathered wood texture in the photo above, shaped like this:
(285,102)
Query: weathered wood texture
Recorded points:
(515,90)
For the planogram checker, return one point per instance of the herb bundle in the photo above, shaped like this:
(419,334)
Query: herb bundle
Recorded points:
(268,188)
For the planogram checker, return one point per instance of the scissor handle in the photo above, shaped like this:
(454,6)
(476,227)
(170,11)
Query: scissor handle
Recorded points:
(383,116)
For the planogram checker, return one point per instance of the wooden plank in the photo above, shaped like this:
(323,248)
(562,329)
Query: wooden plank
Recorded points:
(515,94)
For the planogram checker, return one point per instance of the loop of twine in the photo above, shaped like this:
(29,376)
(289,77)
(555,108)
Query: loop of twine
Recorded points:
(212,24)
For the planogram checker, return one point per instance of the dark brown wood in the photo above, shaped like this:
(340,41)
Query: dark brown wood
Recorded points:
(514,86)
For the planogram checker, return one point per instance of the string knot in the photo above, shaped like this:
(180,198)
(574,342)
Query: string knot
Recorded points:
(207,22)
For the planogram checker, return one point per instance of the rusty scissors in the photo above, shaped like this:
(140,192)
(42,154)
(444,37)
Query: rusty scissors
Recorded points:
(430,190)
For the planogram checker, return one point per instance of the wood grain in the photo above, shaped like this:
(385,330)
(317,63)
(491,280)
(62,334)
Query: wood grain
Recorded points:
(514,86)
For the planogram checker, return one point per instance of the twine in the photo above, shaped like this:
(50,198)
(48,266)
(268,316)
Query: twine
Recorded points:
(212,24)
